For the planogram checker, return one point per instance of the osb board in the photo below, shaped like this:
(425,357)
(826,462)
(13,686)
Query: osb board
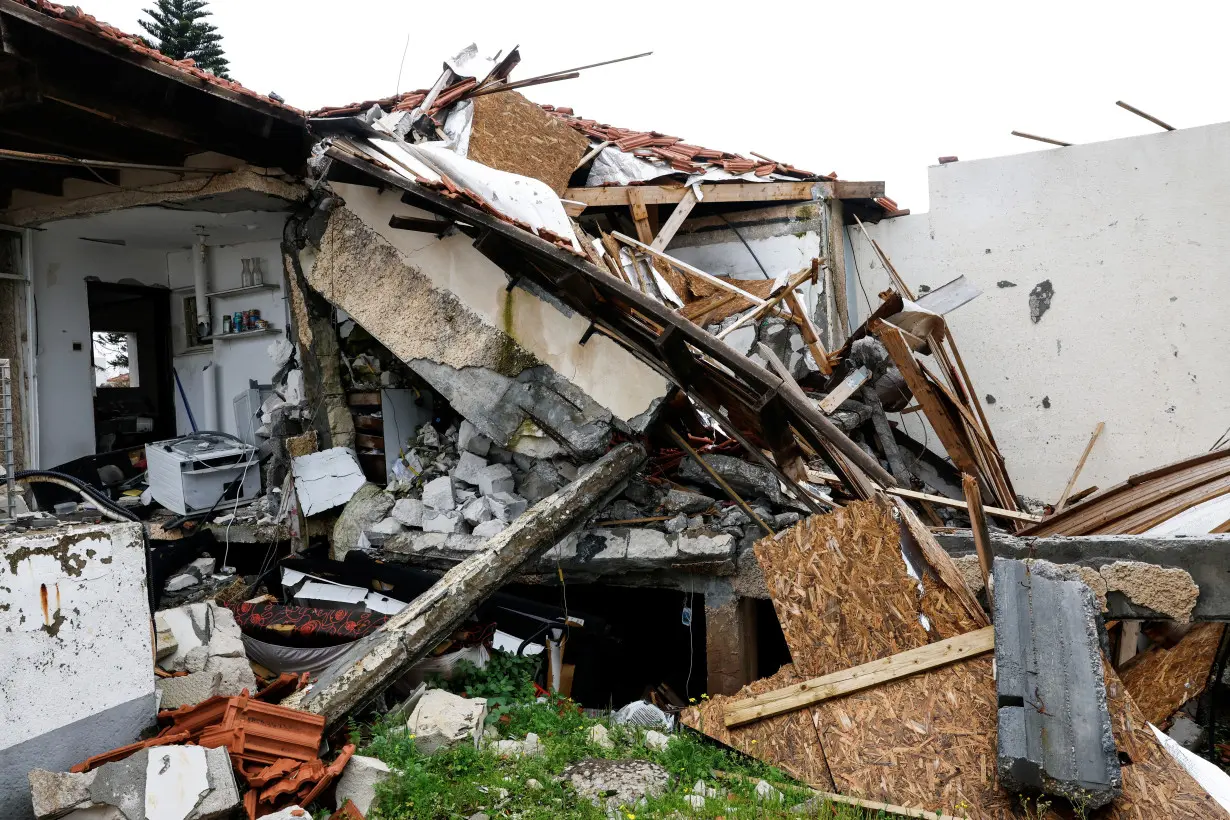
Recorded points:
(787,741)
(843,593)
(510,133)
(1154,785)
(710,301)
(1162,680)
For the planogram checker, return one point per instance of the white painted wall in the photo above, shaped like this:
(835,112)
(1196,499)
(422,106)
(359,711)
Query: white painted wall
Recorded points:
(610,375)
(62,261)
(78,671)
(1131,234)
(237,360)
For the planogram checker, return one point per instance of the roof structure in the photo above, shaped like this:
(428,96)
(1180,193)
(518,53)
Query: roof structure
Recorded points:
(77,18)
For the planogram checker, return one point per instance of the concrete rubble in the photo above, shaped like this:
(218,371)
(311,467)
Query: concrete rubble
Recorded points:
(442,720)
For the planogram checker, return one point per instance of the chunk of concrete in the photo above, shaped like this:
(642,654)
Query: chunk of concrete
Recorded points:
(177,583)
(223,797)
(747,479)
(236,675)
(409,511)
(188,690)
(707,547)
(615,783)
(389,526)
(196,659)
(538,482)
(496,478)
(469,467)
(446,521)
(606,546)
(1054,732)
(114,791)
(164,638)
(176,778)
(359,780)
(442,721)
(1186,732)
(225,636)
(656,741)
(506,506)
(438,494)
(471,440)
(476,511)
(600,737)
(650,547)
(367,507)
(326,479)
(489,529)
(54,794)
(681,501)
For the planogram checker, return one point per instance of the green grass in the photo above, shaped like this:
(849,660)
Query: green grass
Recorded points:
(464,781)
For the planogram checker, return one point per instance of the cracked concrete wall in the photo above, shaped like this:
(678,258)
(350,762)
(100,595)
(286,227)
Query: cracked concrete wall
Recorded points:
(78,672)
(1101,270)
(509,361)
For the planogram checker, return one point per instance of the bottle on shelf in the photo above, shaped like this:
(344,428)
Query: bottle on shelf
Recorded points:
(245,277)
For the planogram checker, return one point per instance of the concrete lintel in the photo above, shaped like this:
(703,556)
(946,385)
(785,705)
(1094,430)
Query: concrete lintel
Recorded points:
(179,192)
(1206,558)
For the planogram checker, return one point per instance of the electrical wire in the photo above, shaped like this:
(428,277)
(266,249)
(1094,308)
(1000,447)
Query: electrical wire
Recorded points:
(857,274)
(755,258)
(687,686)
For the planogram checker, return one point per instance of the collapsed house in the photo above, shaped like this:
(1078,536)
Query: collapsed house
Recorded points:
(480,353)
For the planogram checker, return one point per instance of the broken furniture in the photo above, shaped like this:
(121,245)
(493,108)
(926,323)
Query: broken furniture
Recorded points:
(197,473)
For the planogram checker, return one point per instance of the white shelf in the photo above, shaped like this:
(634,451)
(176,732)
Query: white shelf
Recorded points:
(226,337)
(248,289)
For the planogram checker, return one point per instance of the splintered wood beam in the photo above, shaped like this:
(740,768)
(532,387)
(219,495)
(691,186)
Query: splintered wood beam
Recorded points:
(671,226)
(640,215)
(847,388)
(414,223)
(978,523)
(810,337)
(1080,465)
(863,676)
(796,280)
(688,269)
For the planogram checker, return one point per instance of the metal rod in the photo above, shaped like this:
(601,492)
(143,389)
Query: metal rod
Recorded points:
(738,499)
(1140,113)
(1039,139)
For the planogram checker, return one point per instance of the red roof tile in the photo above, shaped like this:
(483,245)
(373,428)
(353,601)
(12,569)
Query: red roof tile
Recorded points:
(76,17)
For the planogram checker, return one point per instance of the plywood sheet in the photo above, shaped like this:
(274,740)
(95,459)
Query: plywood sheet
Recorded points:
(513,134)
(1162,680)
(788,741)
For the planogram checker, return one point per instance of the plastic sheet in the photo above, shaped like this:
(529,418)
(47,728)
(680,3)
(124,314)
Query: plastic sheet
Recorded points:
(615,167)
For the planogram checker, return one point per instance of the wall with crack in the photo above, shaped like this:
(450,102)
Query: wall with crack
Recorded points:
(1101,268)
(78,672)
(508,360)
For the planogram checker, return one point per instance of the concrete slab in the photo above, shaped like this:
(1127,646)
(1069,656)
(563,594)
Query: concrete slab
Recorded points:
(1055,734)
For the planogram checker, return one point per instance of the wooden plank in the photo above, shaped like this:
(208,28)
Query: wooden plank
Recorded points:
(688,269)
(835,230)
(978,523)
(864,676)
(848,386)
(710,192)
(807,409)
(671,226)
(794,281)
(998,512)
(640,215)
(721,482)
(941,562)
(810,337)
(1129,641)
(846,800)
(1067,490)
(937,414)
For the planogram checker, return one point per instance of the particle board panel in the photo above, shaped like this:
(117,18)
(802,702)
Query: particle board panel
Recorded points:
(788,741)
(1154,785)
(512,134)
(1162,679)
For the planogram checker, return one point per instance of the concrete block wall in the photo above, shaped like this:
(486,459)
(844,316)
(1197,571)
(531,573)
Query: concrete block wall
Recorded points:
(78,672)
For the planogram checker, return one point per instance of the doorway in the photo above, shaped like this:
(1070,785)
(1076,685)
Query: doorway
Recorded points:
(130,348)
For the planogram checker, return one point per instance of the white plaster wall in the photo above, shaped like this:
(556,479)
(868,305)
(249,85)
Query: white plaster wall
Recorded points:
(78,671)
(62,262)
(1131,234)
(609,374)
(237,360)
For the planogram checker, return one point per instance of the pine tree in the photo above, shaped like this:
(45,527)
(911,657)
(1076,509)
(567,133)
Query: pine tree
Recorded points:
(181,32)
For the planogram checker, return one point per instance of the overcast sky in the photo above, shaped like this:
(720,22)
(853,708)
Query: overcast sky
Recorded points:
(869,90)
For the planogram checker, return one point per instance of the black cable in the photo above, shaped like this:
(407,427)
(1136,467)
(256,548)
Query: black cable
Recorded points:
(857,275)
(755,258)
(91,493)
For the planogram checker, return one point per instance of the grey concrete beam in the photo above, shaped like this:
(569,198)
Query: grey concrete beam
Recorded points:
(1206,558)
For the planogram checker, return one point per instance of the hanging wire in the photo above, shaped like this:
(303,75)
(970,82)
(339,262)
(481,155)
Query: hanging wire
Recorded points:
(755,258)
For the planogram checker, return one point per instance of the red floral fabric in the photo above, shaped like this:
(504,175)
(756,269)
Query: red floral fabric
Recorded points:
(276,623)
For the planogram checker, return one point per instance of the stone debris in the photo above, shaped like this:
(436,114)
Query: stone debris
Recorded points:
(599,736)
(615,783)
(442,720)
(359,780)
(656,741)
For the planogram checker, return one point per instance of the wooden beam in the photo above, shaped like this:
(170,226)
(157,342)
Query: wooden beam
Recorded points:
(671,226)
(978,523)
(998,512)
(810,337)
(844,390)
(1067,490)
(845,189)
(686,268)
(412,223)
(711,192)
(721,482)
(640,215)
(863,676)
(792,283)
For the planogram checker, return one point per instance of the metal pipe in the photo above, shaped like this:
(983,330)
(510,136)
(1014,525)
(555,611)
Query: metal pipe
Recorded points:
(1040,139)
(30,353)
(200,282)
(209,374)
(721,482)
(1140,113)
(6,421)
(59,159)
